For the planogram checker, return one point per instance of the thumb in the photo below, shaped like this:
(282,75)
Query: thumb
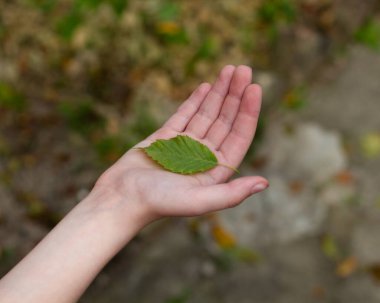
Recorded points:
(231,194)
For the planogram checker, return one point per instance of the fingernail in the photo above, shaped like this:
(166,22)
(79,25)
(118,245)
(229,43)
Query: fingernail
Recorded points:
(259,187)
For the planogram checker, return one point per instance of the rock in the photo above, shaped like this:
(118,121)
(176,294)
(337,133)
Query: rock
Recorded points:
(359,288)
(335,194)
(279,216)
(300,166)
(306,152)
(366,242)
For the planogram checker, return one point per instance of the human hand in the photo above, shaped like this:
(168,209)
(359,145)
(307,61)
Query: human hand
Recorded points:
(223,117)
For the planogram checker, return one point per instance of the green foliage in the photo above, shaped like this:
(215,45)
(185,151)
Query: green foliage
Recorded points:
(181,298)
(69,23)
(207,50)
(110,148)
(243,254)
(168,11)
(370,145)
(81,116)
(167,25)
(330,247)
(182,154)
(118,6)
(4,146)
(75,16)
(7,255)
(2,28)
(178,36)
(228,257)
(45,5)
(369,34)
(295,99)
(273,13)
(143,123)
(87,4)
(276,11)
(10,98)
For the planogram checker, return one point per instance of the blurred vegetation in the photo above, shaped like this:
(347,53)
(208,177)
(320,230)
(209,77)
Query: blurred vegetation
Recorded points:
(181,298)
(87,79)
(369,34)
(84,62)
(10,98)
(274,14)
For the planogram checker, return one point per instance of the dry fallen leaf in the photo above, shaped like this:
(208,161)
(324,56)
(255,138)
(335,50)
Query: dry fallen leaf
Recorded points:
(374,270)
(330,247)
(222,236)
(319,292)
(168,27)
(344,177)
(347,267)
(296,186)
(370,144)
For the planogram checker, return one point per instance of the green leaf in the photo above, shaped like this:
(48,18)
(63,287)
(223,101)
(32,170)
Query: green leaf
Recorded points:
(67,26)
(371,145)
(10,98)
(182,154)
(369,34)
(81,116)
(181,298)
(169,11)
(330,247)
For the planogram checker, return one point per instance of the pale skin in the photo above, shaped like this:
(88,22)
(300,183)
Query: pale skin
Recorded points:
(135,192)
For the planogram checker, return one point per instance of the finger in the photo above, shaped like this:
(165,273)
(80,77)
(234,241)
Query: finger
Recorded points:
(217,197)
(187,110)
(209,110)
(222,126)
(237,142)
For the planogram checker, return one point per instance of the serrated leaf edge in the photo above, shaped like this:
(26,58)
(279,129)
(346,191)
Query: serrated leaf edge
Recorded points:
(190,171)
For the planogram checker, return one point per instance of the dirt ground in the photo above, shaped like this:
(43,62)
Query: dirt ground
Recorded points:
(311,237)
(169,267)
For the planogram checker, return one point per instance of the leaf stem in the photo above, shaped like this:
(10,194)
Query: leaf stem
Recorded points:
(230,167)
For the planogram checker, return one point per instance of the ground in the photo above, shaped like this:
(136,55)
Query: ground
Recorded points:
(66,114)
(172,267)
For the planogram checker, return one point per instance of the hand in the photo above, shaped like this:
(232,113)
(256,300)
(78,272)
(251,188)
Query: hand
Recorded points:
(223,117)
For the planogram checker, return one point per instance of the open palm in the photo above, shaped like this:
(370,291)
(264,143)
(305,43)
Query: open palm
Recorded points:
(222,116)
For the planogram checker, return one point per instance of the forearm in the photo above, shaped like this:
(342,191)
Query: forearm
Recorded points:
(64,263)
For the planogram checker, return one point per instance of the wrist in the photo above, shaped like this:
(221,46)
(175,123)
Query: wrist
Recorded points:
(110,207)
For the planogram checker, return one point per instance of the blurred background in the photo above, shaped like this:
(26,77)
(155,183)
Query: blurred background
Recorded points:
(81,81)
